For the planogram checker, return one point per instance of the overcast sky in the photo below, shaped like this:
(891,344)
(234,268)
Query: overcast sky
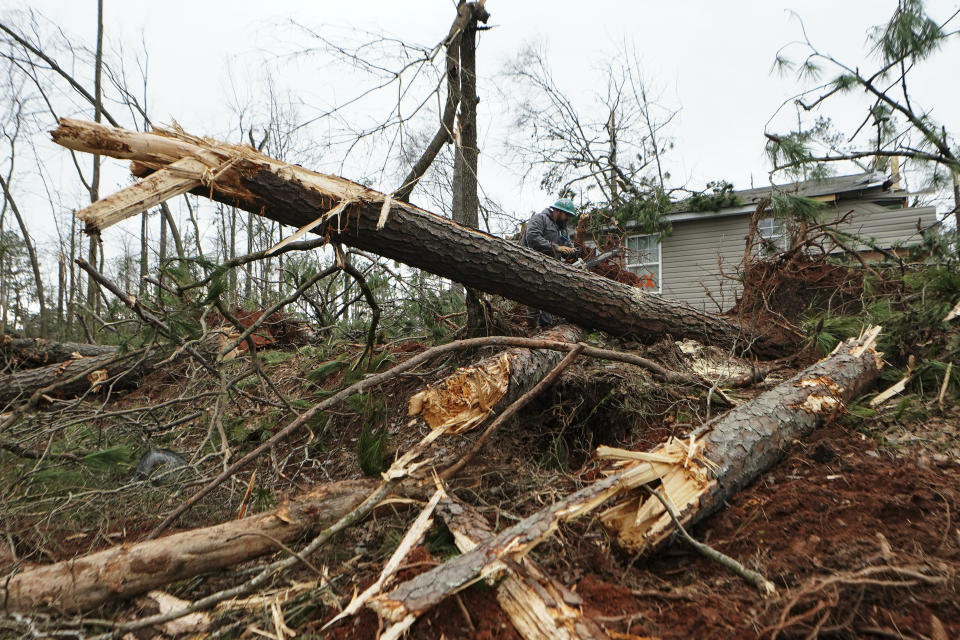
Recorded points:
(709,59)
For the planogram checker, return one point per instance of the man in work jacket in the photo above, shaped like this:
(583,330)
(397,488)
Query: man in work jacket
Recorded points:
(546,232)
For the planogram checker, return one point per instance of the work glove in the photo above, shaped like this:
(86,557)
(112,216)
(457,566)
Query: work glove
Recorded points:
(566,251)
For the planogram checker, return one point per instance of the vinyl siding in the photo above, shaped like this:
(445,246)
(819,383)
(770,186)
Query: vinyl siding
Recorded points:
(691,255)
(887,227)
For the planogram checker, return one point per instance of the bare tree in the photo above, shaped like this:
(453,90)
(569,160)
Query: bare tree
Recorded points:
(607,143)
(11,129)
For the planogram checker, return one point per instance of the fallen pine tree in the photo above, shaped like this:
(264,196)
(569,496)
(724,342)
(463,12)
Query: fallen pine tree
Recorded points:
(695,474)
(348,213)
(38,352)
(786,412)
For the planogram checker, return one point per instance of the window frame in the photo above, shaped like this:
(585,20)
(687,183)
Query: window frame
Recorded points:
(777,240)
(659,262)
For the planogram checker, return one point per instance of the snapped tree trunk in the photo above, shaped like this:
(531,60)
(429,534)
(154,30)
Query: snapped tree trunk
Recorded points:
(740,445)
(370,221)
(539,606)
(695,473)
(37,352)
(86,582)
(465,398)
(74,377)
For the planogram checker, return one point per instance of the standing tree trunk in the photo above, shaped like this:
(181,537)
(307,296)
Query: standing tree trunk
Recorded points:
(31,253)
(465,201)
(93,289)
(144,255)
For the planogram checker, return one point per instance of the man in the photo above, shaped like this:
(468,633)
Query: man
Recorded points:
(547,233)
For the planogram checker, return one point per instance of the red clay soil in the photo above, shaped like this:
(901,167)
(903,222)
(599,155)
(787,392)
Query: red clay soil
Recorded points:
(835,506)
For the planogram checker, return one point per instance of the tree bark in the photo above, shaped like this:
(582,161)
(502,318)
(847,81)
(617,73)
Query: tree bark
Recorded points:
(696,474)
(37,352)
(296,196)
(744,442)
(71,377)
(465,166)
(86,582)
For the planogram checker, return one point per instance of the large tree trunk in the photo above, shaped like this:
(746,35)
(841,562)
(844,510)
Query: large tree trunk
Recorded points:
(72,377)
(696,474)
(37,352)
(373,222)
(119,572)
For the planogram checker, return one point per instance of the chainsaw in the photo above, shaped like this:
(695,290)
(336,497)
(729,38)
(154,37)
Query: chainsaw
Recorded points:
(577,259)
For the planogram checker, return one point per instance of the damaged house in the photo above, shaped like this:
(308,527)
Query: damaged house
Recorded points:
(698,262)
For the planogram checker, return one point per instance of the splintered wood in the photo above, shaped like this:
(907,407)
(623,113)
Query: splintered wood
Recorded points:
(731,450)
(464,399)
(684,475)
(539,606)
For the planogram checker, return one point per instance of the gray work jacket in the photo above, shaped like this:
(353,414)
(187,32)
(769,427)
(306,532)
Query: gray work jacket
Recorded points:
(544,235)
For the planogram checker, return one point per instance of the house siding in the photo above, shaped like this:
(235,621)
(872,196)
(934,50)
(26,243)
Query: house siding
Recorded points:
(691,256)
(887,227)
(691,259)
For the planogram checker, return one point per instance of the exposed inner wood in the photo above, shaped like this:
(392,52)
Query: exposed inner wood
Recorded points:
(697,474)
(539,606)
(465,398)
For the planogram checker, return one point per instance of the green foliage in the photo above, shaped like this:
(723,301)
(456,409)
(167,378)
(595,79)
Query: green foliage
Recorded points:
(910,34)
(642,214)
(368,406)
(377,362)
(371,449)
(789,206)
(109,459)
(440,542)
(557,454)
(719,195)
(325,370)
(218,285)
(825,332)
(274,357)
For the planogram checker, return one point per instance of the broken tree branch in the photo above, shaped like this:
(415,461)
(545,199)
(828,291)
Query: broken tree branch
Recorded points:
(741,444)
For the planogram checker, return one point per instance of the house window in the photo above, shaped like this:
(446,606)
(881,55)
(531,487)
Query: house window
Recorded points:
(771,235)
(643,260)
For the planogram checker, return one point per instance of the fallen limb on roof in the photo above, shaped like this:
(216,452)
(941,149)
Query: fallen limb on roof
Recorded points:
(740,445)
(349,213)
